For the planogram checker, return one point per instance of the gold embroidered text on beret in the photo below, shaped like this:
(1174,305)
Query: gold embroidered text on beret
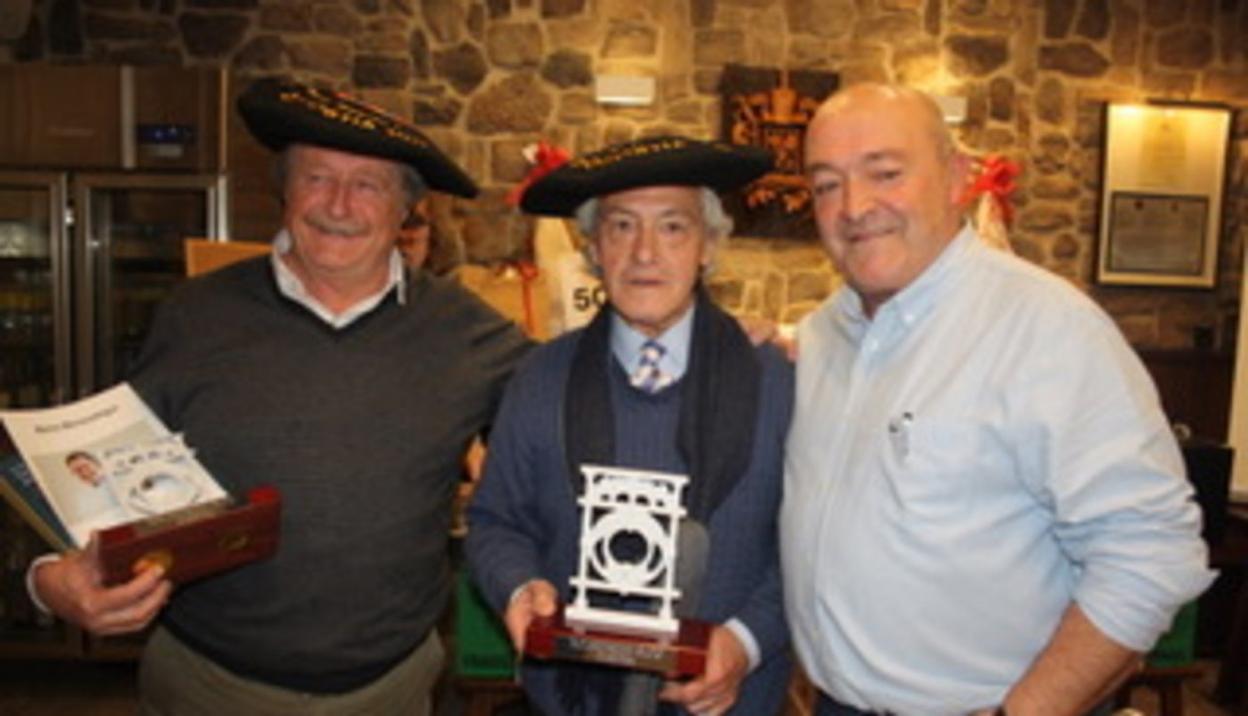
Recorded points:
(280,113)
(654,161)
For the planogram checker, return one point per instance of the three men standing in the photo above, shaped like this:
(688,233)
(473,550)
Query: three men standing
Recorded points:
(983,505)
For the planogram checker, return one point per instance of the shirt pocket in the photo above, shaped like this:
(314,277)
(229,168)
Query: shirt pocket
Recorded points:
(938,465)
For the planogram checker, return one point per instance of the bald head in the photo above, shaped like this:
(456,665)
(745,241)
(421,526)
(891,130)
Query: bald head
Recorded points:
(893,99)
(886,183)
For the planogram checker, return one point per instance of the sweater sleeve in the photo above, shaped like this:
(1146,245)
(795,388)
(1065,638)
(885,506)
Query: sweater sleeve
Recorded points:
(763,615)
(504,528)
(498,345)
(763,612)
(154,372)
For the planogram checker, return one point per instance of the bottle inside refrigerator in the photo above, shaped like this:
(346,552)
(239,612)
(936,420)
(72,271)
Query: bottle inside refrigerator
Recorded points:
(33,290)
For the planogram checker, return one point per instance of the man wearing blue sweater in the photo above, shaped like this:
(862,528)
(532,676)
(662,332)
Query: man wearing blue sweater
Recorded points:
(661,379)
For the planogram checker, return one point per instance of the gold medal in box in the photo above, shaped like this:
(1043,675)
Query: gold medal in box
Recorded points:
(107,466)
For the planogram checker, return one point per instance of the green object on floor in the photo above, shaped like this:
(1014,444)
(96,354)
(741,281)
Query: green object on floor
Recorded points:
(482,649)
(1177,647)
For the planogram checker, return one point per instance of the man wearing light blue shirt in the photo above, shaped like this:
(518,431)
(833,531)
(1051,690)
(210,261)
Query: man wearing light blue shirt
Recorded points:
(985,510)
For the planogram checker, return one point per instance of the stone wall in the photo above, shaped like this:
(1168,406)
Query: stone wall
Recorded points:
(486,77)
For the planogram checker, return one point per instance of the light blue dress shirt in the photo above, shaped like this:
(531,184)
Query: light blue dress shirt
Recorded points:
(962,466)
(626,343)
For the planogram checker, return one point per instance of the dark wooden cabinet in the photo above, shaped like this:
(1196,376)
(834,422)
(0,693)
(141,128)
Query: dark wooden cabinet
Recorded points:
(59,115)
(95,117)
(1195,388)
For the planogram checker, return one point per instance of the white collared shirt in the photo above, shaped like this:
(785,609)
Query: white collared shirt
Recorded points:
(292,287)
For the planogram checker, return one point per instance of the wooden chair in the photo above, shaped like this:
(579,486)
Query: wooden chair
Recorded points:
(1167,681)
(1171,662)
(518,296)
(487,697)
(203,255)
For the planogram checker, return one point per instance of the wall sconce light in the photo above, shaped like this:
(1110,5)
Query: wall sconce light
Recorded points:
(624,90)
(953,109)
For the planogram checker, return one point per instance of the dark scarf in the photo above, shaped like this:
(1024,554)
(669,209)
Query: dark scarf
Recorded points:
(718,409)
(715,437)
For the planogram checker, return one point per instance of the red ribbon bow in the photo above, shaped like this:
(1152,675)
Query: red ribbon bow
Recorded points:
(996,178)
(528,273)
(546,159)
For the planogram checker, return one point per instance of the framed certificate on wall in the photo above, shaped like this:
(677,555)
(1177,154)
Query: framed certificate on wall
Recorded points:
(1162,194)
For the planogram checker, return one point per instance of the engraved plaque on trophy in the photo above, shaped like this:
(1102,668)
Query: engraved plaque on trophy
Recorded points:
(630,522)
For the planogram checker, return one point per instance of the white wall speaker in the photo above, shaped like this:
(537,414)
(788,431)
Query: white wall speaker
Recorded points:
(953,109)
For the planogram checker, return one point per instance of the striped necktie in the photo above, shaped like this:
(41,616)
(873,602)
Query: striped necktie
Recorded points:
(648,376)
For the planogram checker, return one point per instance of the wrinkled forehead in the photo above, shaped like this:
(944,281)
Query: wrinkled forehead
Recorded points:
(654,200)
(316,155)
(858,134)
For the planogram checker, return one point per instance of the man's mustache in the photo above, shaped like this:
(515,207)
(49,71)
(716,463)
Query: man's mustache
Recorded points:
(330,226)
(871,223)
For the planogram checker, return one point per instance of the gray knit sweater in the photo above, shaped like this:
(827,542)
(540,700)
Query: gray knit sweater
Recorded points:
(362,431)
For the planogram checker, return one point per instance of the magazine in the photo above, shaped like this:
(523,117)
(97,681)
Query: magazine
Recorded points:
(18,486)
(96,463)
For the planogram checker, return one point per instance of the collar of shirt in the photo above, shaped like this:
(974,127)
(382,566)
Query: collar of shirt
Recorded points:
(626,343)
(909,305)
(291,287)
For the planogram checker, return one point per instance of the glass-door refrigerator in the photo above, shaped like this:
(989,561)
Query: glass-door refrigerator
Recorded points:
(85,258)
(34,290)
(128,238)
(35,368)
(84,261)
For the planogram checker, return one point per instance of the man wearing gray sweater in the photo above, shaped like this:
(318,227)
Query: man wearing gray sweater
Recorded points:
(353,386)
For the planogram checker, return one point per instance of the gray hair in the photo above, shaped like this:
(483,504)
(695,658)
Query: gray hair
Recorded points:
(718,223)
(412,183)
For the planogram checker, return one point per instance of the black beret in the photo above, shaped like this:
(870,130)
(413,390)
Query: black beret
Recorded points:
(654,161)
(281,113)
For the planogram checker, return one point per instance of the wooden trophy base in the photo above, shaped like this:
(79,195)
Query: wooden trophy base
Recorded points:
(194,542)
(681,655)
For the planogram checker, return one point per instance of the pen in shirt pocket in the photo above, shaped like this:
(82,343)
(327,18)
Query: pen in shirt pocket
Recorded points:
(899,434)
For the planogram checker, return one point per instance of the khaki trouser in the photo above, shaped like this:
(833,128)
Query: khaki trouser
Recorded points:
(176,681)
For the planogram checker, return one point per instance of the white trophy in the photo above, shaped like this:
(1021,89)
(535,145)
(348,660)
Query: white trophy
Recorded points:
(630,522)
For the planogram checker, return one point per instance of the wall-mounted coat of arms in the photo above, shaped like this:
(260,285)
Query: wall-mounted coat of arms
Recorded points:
(770,108)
